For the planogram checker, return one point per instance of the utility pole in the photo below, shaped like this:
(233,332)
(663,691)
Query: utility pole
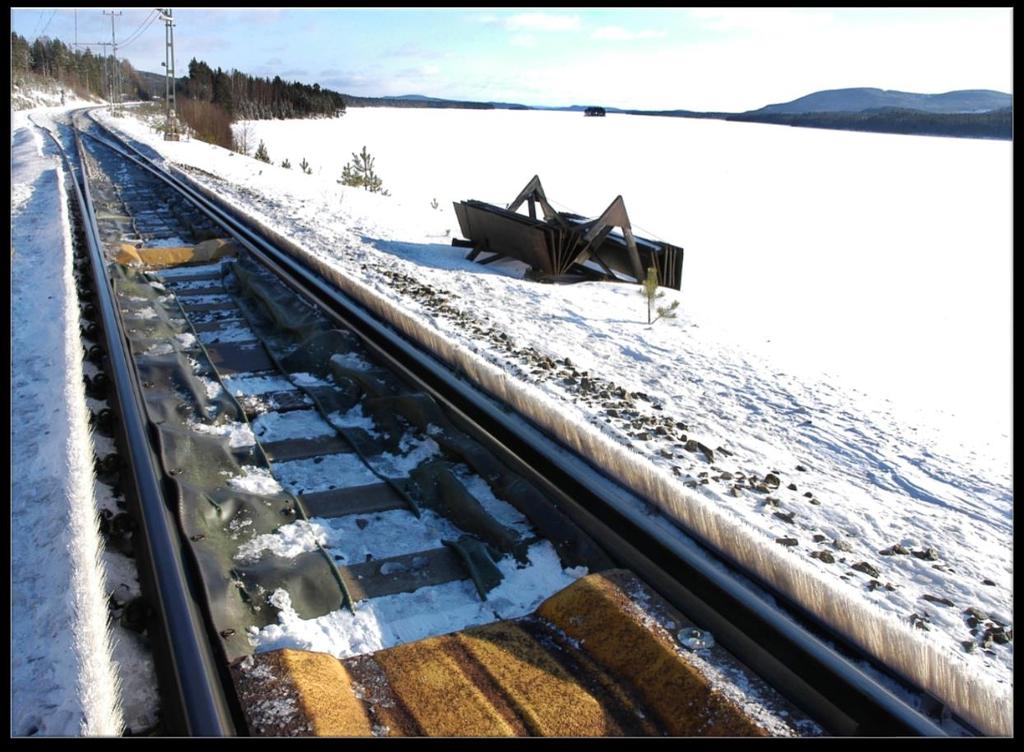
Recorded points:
(117,74)
(171,132)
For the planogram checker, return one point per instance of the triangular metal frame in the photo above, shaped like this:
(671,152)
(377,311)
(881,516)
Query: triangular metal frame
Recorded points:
(596,230)
(533,193)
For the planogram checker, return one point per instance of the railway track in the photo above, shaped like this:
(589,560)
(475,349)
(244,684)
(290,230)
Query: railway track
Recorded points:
(279,439)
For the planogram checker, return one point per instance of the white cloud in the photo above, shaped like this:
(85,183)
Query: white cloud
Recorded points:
(542,22)
(764,21)
(617,33)
(523,40)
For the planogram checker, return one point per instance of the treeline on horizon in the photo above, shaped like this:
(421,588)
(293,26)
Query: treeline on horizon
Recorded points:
(246,97)
(209,101)
(420,103)
(83,73)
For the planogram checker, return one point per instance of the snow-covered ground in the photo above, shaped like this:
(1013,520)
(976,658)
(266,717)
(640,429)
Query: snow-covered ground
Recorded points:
(844,324)
(870,258)
(63,680)
(73,670)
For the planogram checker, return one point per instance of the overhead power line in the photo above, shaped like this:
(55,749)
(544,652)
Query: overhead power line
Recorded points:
(39,22)
(146,23)
(47,26)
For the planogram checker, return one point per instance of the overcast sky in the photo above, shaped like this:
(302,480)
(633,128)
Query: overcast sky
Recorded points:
(718,59)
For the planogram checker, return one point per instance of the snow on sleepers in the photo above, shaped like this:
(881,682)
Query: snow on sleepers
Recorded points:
(379,569)
(399,571)
(303,433)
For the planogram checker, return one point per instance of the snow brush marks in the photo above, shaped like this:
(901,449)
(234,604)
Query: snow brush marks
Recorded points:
(99,686)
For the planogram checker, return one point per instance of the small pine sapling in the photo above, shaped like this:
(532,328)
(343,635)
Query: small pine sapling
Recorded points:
(305,166)
(261,153)
(650,292)
(359,173)
(286,164)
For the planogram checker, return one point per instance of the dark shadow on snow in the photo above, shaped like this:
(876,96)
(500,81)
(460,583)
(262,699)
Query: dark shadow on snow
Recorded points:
(446,256)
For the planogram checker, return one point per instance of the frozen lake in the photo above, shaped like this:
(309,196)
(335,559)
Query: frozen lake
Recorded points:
(880,261)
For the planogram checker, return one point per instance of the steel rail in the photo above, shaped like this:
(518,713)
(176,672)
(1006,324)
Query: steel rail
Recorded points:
(192,696)
(799,664)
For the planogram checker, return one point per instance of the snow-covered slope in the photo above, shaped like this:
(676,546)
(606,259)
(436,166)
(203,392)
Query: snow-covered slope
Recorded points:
(63,679)
(844,328)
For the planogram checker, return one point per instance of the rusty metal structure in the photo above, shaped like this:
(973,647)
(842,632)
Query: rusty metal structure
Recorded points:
(563,246)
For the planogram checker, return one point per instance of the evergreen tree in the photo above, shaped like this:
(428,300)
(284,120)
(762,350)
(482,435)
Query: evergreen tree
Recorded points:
(286,164)
(261,153)
(305,166)
(21,56)
(82,72)
(359,173)
(651,294)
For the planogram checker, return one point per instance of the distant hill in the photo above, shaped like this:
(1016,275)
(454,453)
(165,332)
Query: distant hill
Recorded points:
(154,83)
(997,124)
(509,106)
(862,99)
(974,113)
(959,114)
